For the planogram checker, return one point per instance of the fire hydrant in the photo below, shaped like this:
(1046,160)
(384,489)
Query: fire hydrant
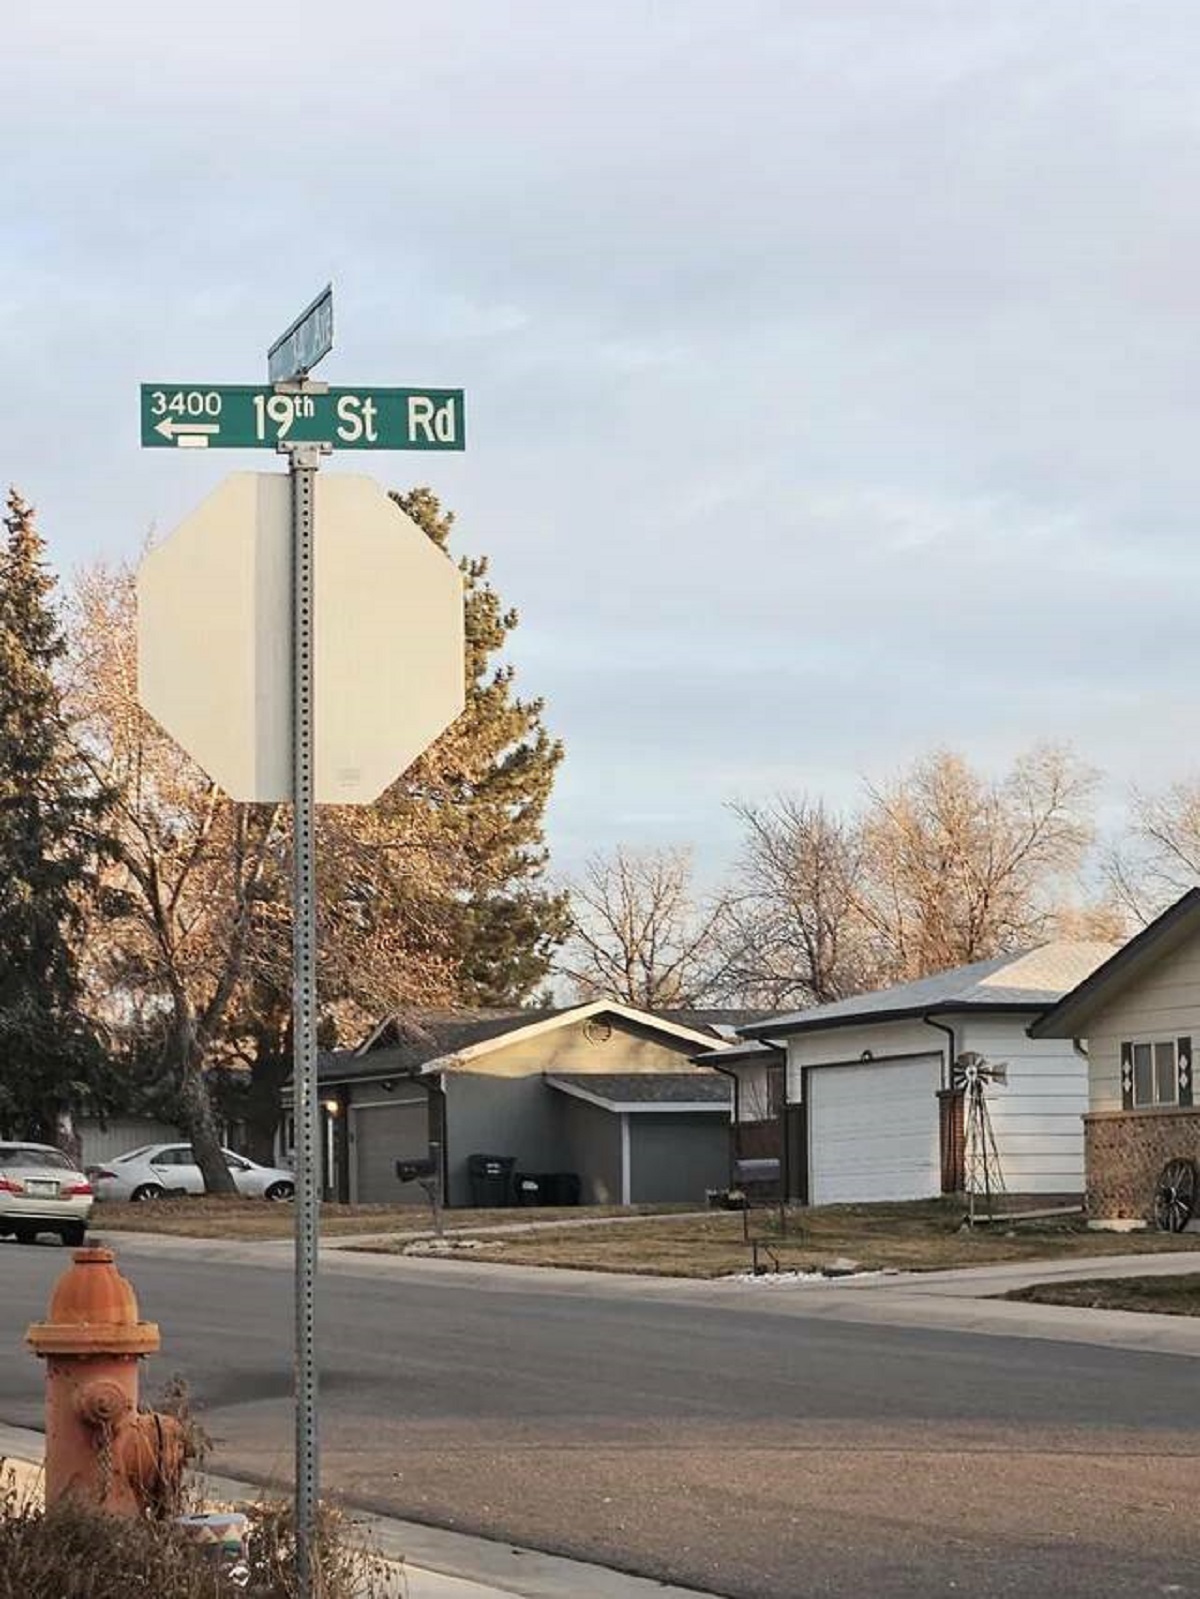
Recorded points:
(100,1449)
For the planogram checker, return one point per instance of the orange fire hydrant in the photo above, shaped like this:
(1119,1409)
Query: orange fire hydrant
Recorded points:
(99,1448)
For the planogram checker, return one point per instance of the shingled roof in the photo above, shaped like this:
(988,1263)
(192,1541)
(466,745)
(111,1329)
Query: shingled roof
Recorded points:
(622,1090)
(408,1042)
(1030,980)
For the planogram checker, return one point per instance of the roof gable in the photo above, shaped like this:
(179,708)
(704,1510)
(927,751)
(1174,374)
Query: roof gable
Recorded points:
(539,1023)
(1071,1016)
(426,1042)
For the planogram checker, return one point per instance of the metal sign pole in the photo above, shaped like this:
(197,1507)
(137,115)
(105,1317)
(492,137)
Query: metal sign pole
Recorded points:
(302,420)
(304,462)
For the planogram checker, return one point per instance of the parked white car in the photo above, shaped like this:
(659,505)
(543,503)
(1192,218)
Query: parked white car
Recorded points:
(42,1191)
(162,1171)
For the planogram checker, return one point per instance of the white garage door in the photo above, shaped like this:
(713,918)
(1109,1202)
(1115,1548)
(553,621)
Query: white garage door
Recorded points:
(873,1131)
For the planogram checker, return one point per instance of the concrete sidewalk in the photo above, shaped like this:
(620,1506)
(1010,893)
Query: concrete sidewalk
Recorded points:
(429,1563)
(979,1281)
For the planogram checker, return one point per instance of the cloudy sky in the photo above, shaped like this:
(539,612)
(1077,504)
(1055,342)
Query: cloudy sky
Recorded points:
(832,365)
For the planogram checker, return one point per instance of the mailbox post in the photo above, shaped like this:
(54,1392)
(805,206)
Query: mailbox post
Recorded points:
(427,1172)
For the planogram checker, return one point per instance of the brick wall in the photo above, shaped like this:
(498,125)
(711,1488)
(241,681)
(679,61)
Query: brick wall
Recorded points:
(1125,1151)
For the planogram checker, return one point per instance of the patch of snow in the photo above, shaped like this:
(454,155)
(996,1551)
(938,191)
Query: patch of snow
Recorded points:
(450,1246)
(787,1279)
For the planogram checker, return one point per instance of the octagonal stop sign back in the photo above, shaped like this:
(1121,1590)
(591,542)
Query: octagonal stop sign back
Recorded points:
(215,638)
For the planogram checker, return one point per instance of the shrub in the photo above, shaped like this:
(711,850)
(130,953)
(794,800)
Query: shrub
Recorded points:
(75,1553)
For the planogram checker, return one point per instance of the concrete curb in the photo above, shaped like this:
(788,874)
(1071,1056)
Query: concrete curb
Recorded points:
(960,1299)
(436,1564)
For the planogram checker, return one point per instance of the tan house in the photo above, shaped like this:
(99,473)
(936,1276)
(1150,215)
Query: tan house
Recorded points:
(1139,1013)
(596,1103)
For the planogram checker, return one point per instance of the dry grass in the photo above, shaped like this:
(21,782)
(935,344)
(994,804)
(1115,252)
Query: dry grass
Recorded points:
(72,1551)
(922,1236)
(75,1553)
(1166,1296)
(213,1217)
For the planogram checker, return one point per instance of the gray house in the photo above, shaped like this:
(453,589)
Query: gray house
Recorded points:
(601,1095)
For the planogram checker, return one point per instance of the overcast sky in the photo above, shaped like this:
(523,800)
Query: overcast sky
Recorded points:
(831,366)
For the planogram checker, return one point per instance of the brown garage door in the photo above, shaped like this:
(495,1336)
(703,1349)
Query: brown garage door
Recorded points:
(380,1135)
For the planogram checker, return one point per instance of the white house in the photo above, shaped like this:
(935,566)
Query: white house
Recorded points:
(872,1110)
(1140,1013)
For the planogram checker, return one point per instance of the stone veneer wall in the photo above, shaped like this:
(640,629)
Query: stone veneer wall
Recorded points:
(1124,1151)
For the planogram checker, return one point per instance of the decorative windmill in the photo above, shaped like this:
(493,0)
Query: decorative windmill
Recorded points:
(982,1178)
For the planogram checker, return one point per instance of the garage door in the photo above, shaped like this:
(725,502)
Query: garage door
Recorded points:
(873,1131)
(675,1159)
(380,1135)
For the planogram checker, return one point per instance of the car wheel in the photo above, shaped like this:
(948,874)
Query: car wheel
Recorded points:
(146,1192)
(281,1191)
(74,1234)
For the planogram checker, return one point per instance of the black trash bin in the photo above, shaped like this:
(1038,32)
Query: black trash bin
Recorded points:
(529,1188)
(491,1179)
(561,1188)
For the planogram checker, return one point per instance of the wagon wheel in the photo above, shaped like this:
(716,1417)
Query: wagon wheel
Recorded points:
(1175,1195)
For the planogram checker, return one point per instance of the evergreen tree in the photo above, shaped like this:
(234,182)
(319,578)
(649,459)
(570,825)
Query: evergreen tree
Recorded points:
(51,818)
(431,896)
(490,775)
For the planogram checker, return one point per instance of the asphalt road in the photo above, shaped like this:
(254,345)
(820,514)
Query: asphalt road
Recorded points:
(727,1447)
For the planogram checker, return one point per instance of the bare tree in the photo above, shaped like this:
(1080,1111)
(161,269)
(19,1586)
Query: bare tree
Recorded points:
(182,896)
(639,932)
(1160,858)
(941,867)
(961,867)
(796,934)
(191,962)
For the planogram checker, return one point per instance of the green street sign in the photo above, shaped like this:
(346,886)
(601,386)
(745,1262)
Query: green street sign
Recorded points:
(307,341)
(201,416)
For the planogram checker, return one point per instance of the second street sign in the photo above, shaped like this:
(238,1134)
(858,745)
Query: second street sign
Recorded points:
(234,417)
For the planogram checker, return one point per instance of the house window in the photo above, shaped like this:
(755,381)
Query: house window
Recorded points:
(1156,1073)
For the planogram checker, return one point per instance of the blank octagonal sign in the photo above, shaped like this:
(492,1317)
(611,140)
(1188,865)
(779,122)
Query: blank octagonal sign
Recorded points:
(214,638)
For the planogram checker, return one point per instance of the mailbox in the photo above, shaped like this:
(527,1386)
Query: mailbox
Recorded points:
(764,1170)
(414,1171)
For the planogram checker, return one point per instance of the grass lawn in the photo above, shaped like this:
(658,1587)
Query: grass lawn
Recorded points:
(259,1218)
(1168,1296)
(920,1236)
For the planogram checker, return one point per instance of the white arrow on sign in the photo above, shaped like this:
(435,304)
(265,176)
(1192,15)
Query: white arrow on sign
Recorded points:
(169,428)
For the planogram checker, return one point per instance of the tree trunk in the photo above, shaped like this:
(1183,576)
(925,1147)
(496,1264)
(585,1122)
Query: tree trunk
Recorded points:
(268,1073)
(66,1135)
(199,1123)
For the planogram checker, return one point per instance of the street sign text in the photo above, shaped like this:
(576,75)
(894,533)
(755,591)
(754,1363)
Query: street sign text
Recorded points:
(236,417)
(307,341)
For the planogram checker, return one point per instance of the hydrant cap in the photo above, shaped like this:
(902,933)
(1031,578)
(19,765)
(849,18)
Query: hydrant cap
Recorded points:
(93,1310)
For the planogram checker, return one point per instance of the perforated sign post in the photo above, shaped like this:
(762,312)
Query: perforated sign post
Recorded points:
(389,610)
